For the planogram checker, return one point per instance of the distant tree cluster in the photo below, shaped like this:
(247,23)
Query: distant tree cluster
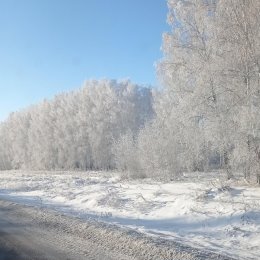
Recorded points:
(75,130)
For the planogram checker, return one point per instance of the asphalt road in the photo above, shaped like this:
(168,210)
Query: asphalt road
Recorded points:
(37,234)
(30,233)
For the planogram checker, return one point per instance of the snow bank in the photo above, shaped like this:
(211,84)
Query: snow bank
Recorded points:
(208,215)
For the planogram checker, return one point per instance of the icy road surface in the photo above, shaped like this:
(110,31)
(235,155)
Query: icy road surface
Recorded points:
(36,233)
(28,233)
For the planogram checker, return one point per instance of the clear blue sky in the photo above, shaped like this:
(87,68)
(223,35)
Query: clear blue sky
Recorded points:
(50,46)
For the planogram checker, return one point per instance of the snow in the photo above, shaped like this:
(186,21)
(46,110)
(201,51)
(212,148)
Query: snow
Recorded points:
(197,212)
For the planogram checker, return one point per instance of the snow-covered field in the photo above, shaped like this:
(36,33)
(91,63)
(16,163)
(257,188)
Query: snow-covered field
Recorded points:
(195,211)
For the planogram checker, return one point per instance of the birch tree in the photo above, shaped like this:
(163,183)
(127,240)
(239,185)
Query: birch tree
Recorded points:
(238,34)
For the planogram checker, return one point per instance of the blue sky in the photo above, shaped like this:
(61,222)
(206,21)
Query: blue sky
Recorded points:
(50,46)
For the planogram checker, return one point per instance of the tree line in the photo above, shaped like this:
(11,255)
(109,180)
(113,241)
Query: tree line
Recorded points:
(206,115)
(74,130)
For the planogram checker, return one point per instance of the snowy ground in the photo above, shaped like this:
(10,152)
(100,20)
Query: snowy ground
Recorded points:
(201,213)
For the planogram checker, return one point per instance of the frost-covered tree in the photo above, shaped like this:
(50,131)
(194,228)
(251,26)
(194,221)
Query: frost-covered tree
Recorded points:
(179,141)
(208,109)
(5,149)
(127,156)
(238,42)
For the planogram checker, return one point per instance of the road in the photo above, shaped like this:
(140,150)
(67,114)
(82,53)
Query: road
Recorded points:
(30,233)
